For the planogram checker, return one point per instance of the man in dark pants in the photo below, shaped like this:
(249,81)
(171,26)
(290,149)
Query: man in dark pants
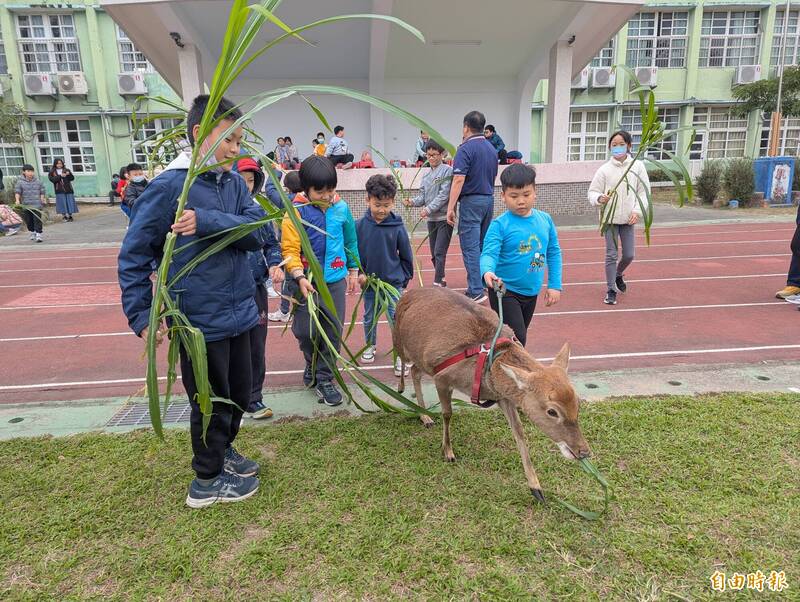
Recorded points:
(472,189)
(791,292)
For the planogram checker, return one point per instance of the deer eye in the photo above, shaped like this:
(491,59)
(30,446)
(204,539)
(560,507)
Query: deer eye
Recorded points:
(552,412)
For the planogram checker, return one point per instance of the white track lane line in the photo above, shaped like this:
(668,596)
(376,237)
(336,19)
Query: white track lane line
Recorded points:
(673,352)
(65,305)
(543,314)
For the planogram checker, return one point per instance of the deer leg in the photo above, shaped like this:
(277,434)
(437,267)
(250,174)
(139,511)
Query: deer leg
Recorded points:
(445,399)
(510,411)
(416,377)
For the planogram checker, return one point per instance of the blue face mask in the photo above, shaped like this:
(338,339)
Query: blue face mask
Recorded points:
(138,179)
(619,151)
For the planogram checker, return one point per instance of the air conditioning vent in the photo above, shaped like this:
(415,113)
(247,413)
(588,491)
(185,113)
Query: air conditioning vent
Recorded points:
(131,84)
(39,84)
(747,74)
(72,84)
(604,77)
(581,80)
(647,76)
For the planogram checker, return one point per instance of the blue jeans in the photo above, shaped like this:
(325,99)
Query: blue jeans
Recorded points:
(475,214)
(370,329)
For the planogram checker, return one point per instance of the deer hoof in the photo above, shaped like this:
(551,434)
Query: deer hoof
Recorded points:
(427,421)
(537,493)
(451,457)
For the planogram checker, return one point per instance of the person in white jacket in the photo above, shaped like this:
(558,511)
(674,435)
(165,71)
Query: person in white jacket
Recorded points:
(631,194)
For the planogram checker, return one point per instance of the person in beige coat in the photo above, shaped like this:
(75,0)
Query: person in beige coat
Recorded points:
(627,213)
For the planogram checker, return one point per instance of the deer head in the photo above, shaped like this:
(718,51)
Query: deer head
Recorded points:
(545,395)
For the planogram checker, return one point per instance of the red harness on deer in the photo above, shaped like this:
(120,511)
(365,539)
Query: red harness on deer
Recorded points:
(482,351)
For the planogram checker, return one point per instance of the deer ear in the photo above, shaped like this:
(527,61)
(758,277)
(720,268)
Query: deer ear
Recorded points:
(562,359)
(518,376)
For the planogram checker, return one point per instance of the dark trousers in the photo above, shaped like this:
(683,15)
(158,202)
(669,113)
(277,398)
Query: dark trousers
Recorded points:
(309,337)
(794,265)
(32,219)
(517,312)
(439,235)
(258,344)
(230,376)
(336,159)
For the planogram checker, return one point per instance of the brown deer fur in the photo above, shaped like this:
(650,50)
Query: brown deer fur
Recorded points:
(434,324)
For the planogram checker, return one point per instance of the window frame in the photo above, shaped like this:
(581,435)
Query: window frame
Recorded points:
(587,140)
(792,41)
(730,44)
(670,116)
(604,55)
(139,62)
(40,53)
(715,135)
(141,154)
(3,59)
(65,146)
(790,126)
(4,165)
(657,42)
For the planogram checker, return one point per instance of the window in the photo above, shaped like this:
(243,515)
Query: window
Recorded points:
(657,39)
(588,135)
(3,62)
(11,159)
(792,56)
(729,38)
(669,117)
(48,43)
(131,59)
(605,56)
(69,139)
(724,134)
(790,136)
(143,147)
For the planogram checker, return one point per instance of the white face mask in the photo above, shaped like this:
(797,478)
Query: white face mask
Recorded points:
(320,139)
(59,171)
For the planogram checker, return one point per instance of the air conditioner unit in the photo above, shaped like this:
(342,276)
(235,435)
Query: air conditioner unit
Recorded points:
(38,84)
(581,80)
(72,84)
(647,76)
(131,84)
(604,77)
(747,74)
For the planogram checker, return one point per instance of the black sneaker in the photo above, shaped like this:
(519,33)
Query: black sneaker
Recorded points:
(308,378)
(611,298)
(225,488)
(479,298)
(621,286)
(237,464)
(328,394)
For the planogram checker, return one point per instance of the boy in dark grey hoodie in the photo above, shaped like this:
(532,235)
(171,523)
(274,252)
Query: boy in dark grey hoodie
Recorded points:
(385,251)
(29,192)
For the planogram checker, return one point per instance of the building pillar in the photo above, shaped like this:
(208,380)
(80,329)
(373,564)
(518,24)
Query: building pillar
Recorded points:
(191,67)
(95,46)
(558,102)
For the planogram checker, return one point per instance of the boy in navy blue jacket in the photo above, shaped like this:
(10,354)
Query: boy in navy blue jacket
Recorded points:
(385,251)
(217,296)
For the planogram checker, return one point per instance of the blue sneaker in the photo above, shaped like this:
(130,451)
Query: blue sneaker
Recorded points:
(237,464)
(328,394)
(225,488)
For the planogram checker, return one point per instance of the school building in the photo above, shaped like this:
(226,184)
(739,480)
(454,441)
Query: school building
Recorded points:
(540,71)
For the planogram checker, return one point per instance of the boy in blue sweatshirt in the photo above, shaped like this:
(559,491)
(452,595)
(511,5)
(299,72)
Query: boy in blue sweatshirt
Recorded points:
(217,296)
(518,246)
(385,251)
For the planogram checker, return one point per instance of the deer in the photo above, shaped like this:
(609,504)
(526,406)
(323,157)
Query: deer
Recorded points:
(447,336)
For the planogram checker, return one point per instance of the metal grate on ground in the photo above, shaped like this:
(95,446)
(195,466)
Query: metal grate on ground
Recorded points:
(138,414)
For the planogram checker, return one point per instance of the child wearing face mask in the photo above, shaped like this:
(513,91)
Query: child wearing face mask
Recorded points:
(319,145)
(631,200)
(137,182)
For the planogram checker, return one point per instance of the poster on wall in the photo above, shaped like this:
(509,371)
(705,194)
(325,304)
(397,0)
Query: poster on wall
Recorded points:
(779,191)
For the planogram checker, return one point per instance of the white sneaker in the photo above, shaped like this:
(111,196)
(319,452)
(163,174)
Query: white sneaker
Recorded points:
(398,368)
(32,236)
(793,299)
(273,294)
(39,238)
(369,355)
(12,231)
(278,316)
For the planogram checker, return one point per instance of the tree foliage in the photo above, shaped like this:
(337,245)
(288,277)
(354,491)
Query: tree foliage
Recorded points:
(12,119)
(763,95)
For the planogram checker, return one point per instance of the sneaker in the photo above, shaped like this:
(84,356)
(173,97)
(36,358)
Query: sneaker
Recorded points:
(611,297)
(66,219)
(369,355)
(272,293)
(32,236)
(258,411)
(12,231)
(479,298)
(279,316)
(794,299)
(39,238)
(443,284)
(399,369)
(237,464)
(621,286)
(308,378)
(328,394)
(72,219)
(788,291)
(225,488)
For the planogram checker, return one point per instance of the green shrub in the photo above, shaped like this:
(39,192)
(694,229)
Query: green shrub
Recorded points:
(7,195)
(657,175)
(739,180)
(708,184)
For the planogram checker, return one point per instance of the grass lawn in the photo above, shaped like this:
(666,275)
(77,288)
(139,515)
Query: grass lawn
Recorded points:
(364,508)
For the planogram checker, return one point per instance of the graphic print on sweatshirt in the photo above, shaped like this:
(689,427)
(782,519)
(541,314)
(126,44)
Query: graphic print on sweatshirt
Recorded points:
(533,245)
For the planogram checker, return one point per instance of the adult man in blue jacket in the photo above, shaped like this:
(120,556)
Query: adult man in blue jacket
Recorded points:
(217,296)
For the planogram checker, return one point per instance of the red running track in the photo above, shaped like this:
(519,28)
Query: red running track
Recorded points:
(699,295)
